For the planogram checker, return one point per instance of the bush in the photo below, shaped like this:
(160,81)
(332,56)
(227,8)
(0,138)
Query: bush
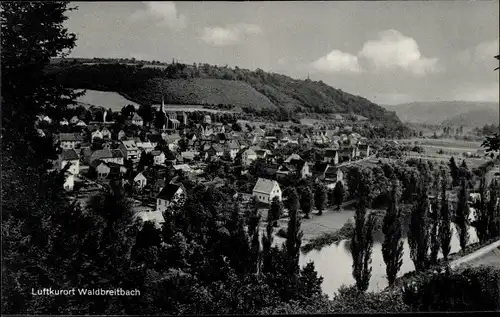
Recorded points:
(468,289)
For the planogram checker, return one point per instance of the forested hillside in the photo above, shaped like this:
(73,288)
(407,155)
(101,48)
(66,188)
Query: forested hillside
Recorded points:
(203,83)
(474,118)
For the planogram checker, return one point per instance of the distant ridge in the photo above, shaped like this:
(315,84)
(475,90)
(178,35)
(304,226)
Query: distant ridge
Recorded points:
(437,112)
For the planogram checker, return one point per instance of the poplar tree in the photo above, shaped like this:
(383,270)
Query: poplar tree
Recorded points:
(418,235)
(275,211)
(306,201)
(362,239)
(294,235)
(392,247)
(320,198)
(445,230)
(462,214)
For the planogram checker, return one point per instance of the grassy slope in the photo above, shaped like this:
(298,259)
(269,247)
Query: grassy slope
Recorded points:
(199,91)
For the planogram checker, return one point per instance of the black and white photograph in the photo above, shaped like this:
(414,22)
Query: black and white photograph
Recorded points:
(250,157)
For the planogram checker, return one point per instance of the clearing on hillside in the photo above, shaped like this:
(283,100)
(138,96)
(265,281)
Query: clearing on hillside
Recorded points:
(106,99)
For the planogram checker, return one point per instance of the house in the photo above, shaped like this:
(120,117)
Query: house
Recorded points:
(215,150)
(172,141)
(207,119)
(293,157)
(70,157)
(80,123)
(74,120)
(155,217)
(248,156)
(101,169)
(347,154)
(300,167)
(97,134)
(265,190)
(69,181)
(108,156)
(139,180)
(364,150)
(129,150)
(158,157)
(70,140)
(144,146)
(233,148)
(137,120)
(172,123)
(331,156)
(63,122)
(116,170)
(121,135)
(333,174)
(262,153)
(106,134)
(169,194)
(189,155)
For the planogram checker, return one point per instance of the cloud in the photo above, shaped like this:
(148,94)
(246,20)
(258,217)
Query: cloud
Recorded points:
(337,61)
(164,13)
(478,94)
(229,35)
(393,50)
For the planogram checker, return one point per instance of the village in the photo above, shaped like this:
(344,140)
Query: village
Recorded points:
(151,163)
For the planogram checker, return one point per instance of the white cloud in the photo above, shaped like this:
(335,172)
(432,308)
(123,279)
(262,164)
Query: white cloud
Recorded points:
(393,50)
(337,61)
(164,13)
(229,35)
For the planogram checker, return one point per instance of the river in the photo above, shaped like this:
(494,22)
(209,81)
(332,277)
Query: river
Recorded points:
(334,262)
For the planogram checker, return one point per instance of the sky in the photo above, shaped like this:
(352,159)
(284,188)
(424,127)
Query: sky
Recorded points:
(389,52)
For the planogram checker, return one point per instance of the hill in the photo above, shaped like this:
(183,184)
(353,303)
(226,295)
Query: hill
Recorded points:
(436,112)
(203,83)
(474,118)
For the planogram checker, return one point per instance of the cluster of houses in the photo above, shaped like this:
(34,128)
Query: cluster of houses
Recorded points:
(119,154)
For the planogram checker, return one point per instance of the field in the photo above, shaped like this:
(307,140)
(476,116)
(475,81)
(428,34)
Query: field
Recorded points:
(106,99)
(443,149)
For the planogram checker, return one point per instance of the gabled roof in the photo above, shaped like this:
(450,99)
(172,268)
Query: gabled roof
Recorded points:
(168,192)
(116,153)
(102,154)
(69,155)
(264,185)
(330,153)
(293,157)
(136,117)
(250,152)
(96,163)
(156,152)
(70,137)
(217,148)
(129,144)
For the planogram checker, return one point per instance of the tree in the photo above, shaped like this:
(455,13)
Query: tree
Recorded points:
(434,237)
(483,216)
(275,211)
(339,193)
(306,201)
(445,220)
(267,242)
(294,235)
(320,198)
(128,111)
(392,247)
(462,214)
(494,210)
(418,235)
(238,239)
(454,172)
(146,113)
(362,238)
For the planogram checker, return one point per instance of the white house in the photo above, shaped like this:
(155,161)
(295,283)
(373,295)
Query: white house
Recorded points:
(293,157)
(139,180)
(74,120)
(248,157)
(69,181)
(158,157)
(72,158)
(130,150)
(265,190)
(146,146)
(70,140)
(169,194)
(80,123)
(137,120)
(63,122)
(97,135)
